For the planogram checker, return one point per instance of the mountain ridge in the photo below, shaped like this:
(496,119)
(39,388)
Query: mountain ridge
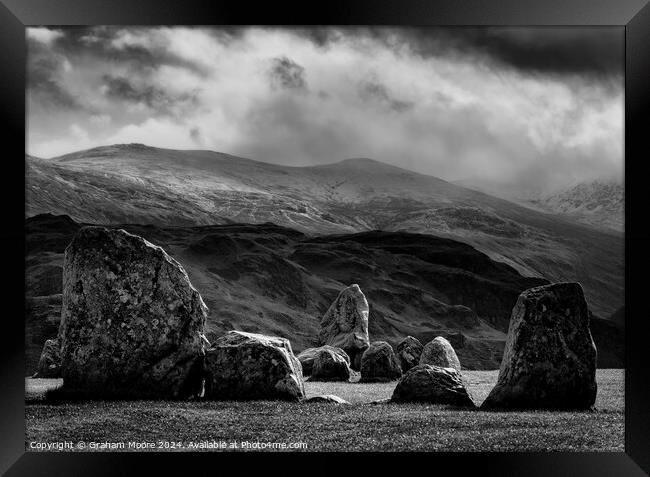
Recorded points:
(162,187)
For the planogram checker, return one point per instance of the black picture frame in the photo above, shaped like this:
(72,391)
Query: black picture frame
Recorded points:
(633,15)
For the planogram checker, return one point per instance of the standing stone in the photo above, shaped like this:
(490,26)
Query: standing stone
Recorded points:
(409,351)
(549,361)
(432,384)
(245,366)
(345,324)
(49,366)
(330,366)
(379,363)
(131,321)
(439,352)
(308,356)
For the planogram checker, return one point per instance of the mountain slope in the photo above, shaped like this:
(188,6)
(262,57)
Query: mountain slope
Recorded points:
(597,203)
(140,184)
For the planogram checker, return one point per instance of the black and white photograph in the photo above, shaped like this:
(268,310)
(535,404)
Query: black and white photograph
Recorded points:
(324,238)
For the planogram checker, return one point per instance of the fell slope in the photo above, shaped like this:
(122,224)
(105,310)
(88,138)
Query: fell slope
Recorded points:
(134,183)
(275,280)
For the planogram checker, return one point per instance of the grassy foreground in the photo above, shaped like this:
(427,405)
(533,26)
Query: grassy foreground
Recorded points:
(362,426)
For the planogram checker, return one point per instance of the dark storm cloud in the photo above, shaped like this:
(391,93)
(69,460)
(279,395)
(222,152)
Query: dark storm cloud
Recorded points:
(589,51)
(44,70)
(99,43)
(373,90)
(43,80)
(123,89)
(526,106)
(582,51)
(287,74)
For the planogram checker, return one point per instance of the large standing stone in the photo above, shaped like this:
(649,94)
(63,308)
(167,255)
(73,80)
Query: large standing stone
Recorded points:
(308,356)
(131,321)
(345,324)
(439,352)
(549,361)
(432,384)
(49,366)
(330,366)
(379,363)
(409,351)
(243,366)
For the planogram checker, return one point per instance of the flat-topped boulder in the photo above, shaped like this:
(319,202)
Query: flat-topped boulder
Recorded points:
(247,366)
(434,385)
(439,352)
(330,366)
(49,365)
(379,363)
(549,361)
(408,352)
(131,322)
(345,324)
(307,357)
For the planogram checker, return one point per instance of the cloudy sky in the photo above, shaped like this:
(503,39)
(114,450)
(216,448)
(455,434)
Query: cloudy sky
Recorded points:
(535,107)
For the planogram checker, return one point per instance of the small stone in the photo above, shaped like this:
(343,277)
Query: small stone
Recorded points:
(379,363)
(434,385)
(326,398)
(307,357)
(330,366)
(246,366)
(439,352)
(408,352)
(49,366)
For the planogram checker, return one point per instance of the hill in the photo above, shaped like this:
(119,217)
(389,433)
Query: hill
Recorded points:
(133,183)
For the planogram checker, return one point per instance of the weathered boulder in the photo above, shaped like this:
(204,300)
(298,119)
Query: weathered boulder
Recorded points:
(379,363)
(49,366)
(327,398)
(330,366)
(408,352)
(345,324)
(439,352)
(307,357)
(549,361)
(131,321)
(432,384)
(246,366)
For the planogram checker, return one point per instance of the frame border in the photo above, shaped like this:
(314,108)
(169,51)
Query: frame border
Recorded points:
(634,15)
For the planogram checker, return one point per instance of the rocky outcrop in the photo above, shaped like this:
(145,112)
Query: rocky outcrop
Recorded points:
(408,352)
(434,385)
(131,321)
(439,352)
(307,357)
(379,363)
(246,366)
(550,358)
(345,324)
(49,366)
(330,366)
(327,399)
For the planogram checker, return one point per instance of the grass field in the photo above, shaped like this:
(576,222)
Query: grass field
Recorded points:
(361,426)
